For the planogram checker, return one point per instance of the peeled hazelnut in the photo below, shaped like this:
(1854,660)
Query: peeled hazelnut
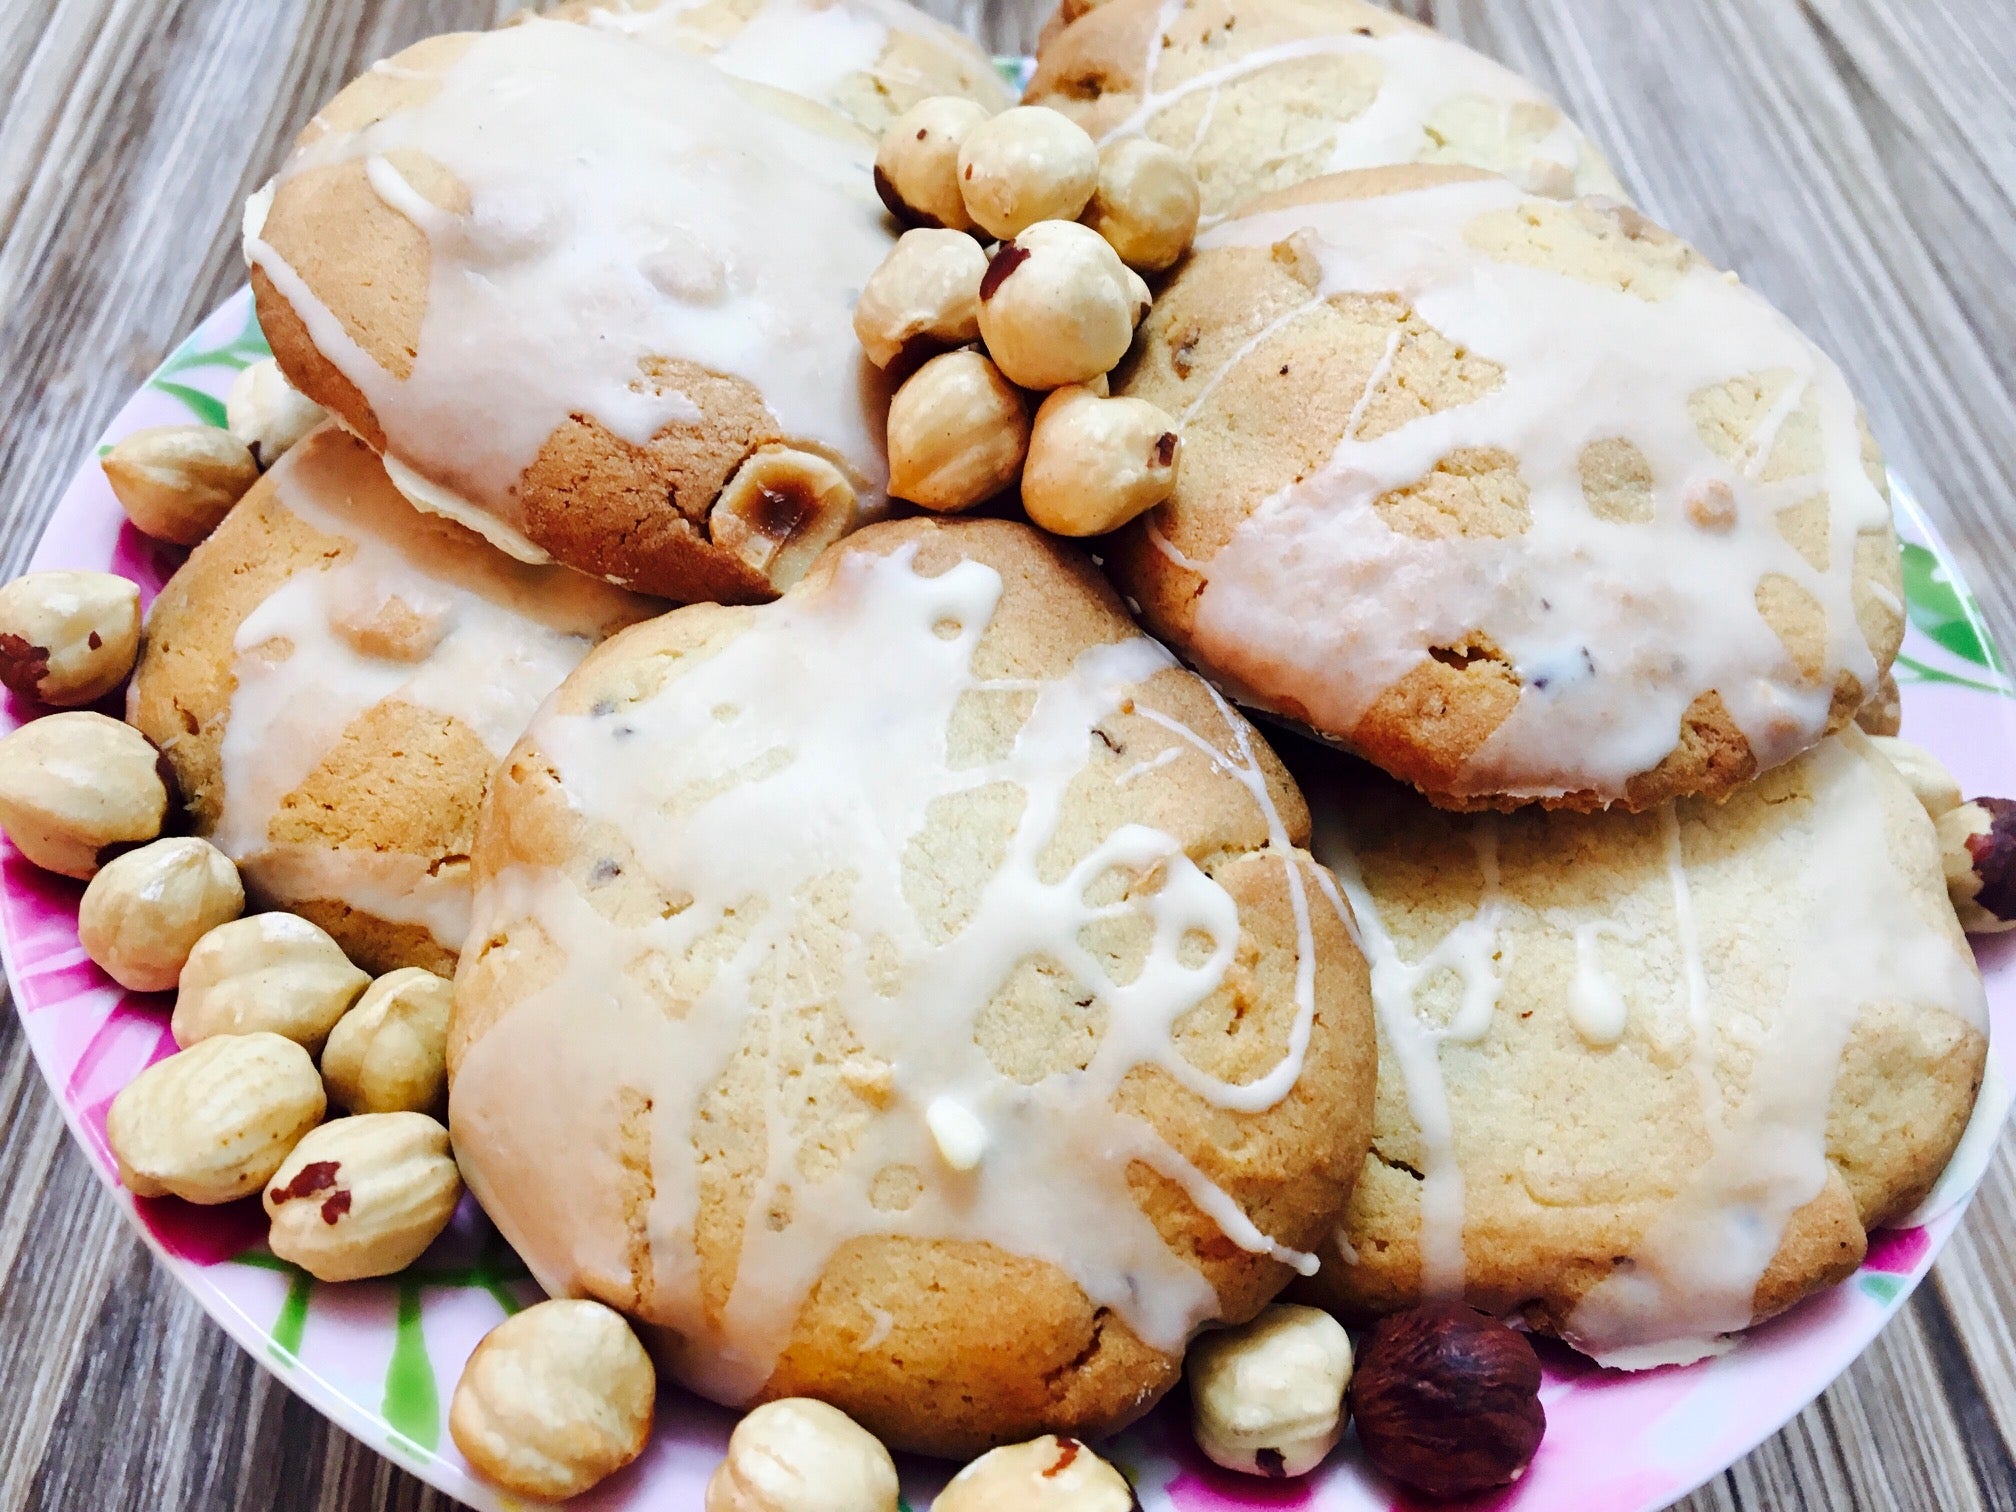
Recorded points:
(1026,165)
(1448,1400)
(144,913)
(68,638)
(268,413)
(1049,1474)
(1146,204)
(957,433)
(554,1400)
(177,482)
(1977,842)
(924,299)
(363,1196)
(272,972)
(1095,463)
(1268,1398)
(780,509)
(917,163)
(77,788)
(1058,306)
(1923,773)
(799,1455)
(213,1123)
(389,1053)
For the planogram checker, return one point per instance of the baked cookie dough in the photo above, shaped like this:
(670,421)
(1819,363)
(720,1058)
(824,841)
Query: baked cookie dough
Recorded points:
(870,60)
(581,292)
(912,994)
(1262,94)
(331,677)
(1647,1079)
(1519,498)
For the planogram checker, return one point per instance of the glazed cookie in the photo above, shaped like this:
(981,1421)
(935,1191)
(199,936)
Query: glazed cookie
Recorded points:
(332,676)
(1648,1079)
(911,995)
(1261,94)
(871,60)
(1519,498)
(590,298)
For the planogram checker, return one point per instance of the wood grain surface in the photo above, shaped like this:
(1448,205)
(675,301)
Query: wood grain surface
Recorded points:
(1856,159)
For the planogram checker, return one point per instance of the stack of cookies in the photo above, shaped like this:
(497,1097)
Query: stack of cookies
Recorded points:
(901,980)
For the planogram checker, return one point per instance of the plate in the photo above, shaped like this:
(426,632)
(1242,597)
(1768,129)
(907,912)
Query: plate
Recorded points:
(381,1358)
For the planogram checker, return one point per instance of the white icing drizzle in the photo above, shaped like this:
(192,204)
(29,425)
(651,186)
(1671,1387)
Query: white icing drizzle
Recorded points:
(628,205)
(800,760)
(488,640)
(1615,628)
(1857,933)
(1420,75)
(1596,1005)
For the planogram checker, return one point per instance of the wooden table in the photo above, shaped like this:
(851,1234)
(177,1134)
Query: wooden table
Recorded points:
(1856,159)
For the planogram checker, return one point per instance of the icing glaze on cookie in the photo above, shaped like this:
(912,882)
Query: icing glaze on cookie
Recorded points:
(412,610)
(1860,928)
(1425,88)
(809,47)
(771,790)
(626,206)
(1613,626)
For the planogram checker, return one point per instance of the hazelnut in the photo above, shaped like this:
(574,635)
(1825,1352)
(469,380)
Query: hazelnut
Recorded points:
(1049,1474)
(1094,464)
(1930,783)
(1267,1398)
(77,788)
(273,972)
(363,1196)
(1977,843)
(389,1053)
(268,413)
(1146,204)
(1448,1400)
(144,913)
(917,162)
(957,432)
(1058,306)
(780,509)
(798,1455)
(213,1123)
(68,638)
(554,1400)
(924,299)
(177,482)
(1026,165)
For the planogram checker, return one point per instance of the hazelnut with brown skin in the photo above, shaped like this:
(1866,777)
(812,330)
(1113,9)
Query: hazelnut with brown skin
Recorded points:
(923,300)
(1026,165)
(917,163)
(1058,306)
(68,638)
(1447,1401)
(957,433)
(1977,843)
(1146,204)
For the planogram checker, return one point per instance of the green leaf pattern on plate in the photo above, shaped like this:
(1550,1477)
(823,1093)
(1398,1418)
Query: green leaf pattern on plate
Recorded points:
(1948,616)
(237,354)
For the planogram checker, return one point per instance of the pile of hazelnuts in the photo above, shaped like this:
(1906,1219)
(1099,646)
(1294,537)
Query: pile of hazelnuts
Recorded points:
(1021,281)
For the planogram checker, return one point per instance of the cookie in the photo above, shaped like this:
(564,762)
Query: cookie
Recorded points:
(1648,1079)
(870,60)
(1521,499)
(912,994)
(1262,94)
(332,676)
(590,298)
